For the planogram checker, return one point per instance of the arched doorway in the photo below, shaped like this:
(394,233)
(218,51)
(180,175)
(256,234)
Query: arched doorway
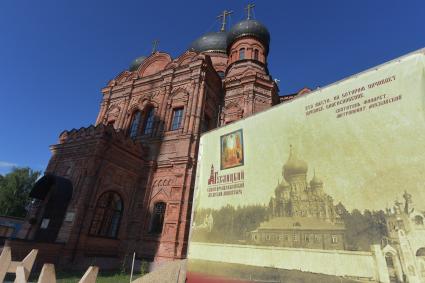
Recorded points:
(56,193)
(395,271)
(391,267)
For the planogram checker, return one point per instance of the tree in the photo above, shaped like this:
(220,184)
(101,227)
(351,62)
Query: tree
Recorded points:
(231,224)
(14,191)
(362,230)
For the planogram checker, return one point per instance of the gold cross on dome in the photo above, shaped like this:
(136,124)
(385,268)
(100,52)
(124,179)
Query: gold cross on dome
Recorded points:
(155,45)
(248,9)
(223,16)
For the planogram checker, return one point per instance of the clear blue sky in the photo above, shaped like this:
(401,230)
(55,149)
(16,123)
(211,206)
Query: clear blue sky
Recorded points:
(55,56)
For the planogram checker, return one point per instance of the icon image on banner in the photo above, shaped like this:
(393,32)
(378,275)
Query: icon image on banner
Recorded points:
(232,151)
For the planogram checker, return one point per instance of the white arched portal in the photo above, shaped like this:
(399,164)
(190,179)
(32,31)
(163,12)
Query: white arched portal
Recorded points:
(393,264)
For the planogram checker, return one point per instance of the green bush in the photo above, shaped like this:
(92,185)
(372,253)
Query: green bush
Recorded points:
(144,267)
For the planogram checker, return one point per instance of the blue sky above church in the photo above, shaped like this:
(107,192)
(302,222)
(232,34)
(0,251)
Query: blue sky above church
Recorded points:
(55,56)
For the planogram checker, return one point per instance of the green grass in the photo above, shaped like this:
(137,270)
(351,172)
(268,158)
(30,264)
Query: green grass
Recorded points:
(101,278)
(74,277)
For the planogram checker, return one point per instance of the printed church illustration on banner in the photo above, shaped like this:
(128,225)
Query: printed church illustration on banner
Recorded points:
(328,208)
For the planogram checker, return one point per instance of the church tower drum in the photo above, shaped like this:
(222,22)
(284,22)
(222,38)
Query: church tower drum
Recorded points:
(248,40)
(295,173)
(316,185)
(248,86)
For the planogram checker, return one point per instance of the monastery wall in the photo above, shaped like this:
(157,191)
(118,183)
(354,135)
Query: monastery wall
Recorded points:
(354,264)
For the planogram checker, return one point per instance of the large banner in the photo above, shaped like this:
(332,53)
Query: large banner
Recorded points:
(329,187)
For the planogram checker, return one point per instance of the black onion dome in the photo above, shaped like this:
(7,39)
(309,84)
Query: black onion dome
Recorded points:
(136,63)
(250,28)
(210,42)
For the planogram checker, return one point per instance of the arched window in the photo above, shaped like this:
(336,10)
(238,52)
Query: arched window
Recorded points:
(256,54)
(420,252)
(135,123)
(241,53)
(150,115)
(107,215)
(158,216)
(177,118)
(419,220)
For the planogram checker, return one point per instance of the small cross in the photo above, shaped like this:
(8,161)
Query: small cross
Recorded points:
(223,16)
(248,9)
(155,45)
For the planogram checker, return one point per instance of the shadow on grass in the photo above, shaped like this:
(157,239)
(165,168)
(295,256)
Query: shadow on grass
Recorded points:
(75,276)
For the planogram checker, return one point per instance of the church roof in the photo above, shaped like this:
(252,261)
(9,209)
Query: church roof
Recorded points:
(136,63)
(250,28)
(281,186)
(210,42)
(294,166)
(299,223)
(62,189)
(316,181)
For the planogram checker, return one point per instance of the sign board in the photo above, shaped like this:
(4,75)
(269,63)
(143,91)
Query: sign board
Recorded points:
(69,216)
(45,223)
(329,187)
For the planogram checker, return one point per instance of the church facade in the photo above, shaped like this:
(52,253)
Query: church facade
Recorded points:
(125,184)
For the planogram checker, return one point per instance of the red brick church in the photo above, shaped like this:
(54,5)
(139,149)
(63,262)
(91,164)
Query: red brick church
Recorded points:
(125,184)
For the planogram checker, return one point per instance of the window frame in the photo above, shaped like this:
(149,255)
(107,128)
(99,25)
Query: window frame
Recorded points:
(256,54)
(111,232)
(155,228)
(149,121)
(242,54)
(173,125)
(133,130)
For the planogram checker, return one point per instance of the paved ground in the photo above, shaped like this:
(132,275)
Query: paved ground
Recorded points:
(170,272)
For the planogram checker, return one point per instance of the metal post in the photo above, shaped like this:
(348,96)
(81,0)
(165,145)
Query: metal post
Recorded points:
(132,267)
